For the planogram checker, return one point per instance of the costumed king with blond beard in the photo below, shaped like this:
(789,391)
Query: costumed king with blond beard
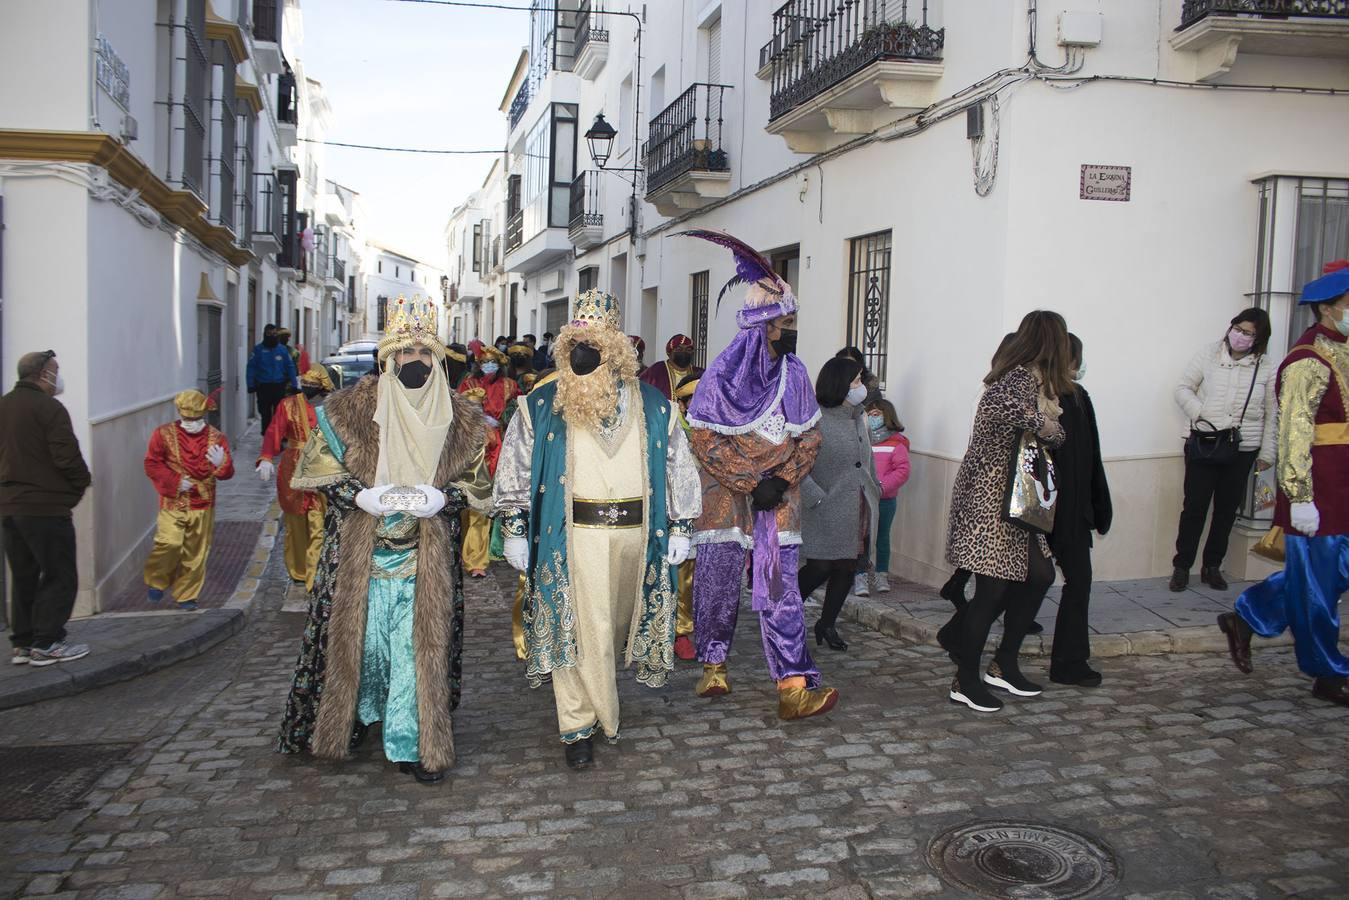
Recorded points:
(302,511)
(184,461)
(398,457)
(597,492)
(493,391)
(752,422)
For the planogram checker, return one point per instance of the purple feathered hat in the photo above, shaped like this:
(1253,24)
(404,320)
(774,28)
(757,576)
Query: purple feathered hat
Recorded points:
(746,384)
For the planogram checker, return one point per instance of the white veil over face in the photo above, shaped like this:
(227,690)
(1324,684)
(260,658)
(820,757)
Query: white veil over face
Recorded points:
(414,424)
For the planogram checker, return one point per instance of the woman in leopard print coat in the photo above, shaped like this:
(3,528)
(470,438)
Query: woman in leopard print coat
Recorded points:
(1012,570)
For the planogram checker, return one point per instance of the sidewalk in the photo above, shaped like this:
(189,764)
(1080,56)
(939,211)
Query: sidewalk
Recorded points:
(1128,618)
(131,636)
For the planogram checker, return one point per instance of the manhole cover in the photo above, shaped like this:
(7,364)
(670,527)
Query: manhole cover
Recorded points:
(43,782)
(1023,861)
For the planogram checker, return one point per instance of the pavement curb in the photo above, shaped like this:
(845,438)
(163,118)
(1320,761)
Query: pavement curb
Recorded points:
(109,666)
(884,618)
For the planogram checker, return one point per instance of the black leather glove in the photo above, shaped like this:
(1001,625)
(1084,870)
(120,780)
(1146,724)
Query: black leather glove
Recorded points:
(767,494)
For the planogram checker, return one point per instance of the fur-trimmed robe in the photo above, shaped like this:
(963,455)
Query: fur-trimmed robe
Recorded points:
(322,705)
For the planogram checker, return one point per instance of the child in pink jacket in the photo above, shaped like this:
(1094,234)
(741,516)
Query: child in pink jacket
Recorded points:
(890,448)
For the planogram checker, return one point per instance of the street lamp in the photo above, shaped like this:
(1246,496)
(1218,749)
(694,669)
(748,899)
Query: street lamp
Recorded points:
(600,137)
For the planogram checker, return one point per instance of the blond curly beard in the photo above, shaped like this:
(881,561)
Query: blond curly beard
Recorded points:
(586,401)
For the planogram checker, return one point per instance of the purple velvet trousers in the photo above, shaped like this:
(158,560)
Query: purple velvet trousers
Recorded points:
(716,606)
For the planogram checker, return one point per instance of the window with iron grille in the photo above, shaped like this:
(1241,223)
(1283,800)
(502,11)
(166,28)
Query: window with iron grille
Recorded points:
(869,299)
(381,310)
(222,150)
(587,279)
(700,283)
(243,167)
(194,97)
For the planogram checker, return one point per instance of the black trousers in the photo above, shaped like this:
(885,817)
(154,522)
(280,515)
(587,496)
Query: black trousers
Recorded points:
(837,577)
(41,554)
(269,397)
(1072,641)
(1017,601)
(1218,486)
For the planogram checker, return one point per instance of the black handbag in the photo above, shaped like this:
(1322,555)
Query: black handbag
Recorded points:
(1031,493)
(1213,446)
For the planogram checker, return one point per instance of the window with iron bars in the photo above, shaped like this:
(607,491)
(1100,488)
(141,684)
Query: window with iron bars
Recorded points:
(196,73)
(700,283)
(1303,224)
(477,247)
(869,299)
(222,150)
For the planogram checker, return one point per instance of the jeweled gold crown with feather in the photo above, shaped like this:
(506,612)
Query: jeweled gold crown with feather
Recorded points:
(595,307)
(409,323)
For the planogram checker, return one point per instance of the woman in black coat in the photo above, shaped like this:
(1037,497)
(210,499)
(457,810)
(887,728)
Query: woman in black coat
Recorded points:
(1083,507)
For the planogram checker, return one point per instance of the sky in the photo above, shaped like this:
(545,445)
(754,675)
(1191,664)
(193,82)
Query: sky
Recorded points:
(411,75)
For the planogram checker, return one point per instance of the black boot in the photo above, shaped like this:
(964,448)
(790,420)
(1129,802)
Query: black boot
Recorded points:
(829,636)
(1180,580)
(421,773)
(1213,577)
(971,691)
(1004,673)
(358,733)
(581,754)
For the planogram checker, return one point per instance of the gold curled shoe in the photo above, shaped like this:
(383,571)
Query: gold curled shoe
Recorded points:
(714,682)
(801,703)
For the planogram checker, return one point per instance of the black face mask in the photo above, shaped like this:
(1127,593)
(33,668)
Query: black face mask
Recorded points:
(414,374)
(269,342)
(786,342)
(584,359)
(312,393)
(682,358)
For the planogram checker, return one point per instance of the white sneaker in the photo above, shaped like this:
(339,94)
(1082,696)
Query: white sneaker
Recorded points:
(859,586)
(58,652)
(882,583)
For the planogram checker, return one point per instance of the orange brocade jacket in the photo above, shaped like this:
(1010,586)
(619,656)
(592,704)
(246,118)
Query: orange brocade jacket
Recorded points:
(291,424)
(174,454)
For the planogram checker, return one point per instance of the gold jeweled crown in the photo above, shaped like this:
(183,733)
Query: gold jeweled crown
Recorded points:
(408,323)
(595,307)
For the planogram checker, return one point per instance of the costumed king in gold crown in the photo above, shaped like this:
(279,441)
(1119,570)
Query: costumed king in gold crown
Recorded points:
(184,461)
(397,457)
(302,511)
(598,493)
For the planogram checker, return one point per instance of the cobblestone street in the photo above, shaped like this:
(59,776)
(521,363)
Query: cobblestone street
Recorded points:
(1202,782)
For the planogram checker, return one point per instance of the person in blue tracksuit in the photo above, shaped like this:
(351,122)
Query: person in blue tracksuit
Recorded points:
(271,370)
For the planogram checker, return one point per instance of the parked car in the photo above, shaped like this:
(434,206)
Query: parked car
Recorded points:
(356,348)
(345,369)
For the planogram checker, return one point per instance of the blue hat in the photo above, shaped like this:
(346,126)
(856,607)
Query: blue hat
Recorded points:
(1333,283)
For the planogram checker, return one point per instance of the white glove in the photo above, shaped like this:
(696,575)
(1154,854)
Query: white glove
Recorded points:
(516,551)
(369,501)
(216,456)
(491,422)
(1305,518)
(678,550)
(265,469)
(184,485)
(435,501)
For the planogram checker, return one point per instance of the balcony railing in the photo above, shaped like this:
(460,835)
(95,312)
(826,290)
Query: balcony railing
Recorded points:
(818,43)
(585,201)
(585,30)
(496,251)
(287,99)
(266,20)
(243,215)
(1194,10)
(519,104)
(686,136)
(338,269)
(515,231)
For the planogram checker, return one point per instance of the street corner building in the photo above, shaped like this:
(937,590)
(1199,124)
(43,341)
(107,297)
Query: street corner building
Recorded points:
(596,487)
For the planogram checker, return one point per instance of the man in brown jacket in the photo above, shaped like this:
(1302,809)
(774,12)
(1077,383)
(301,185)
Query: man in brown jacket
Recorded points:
(42,478)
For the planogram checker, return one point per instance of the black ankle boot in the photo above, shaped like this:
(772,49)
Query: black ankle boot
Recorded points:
(421,773)
(1004,672)
(581,754)
(829,636)
(971,691)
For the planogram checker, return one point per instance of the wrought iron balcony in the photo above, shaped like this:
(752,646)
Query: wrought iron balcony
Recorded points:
(515,231)
(287,98)
(266,20)
(819,43)
(519,104)
(586,222)
(686,137)
(592,42)
(267,211)
(1194,10)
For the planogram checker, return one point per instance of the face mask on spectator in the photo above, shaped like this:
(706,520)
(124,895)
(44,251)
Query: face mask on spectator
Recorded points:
(193,426)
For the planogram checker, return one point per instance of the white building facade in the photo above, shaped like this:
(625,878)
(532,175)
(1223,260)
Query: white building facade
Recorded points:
(924,174)
(156,173)
(388,274)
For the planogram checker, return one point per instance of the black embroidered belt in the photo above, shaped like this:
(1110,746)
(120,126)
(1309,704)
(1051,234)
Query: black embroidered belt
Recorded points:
(606,513)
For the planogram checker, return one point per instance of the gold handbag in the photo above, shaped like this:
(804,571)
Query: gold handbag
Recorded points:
(1271,545)
(1031,493)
